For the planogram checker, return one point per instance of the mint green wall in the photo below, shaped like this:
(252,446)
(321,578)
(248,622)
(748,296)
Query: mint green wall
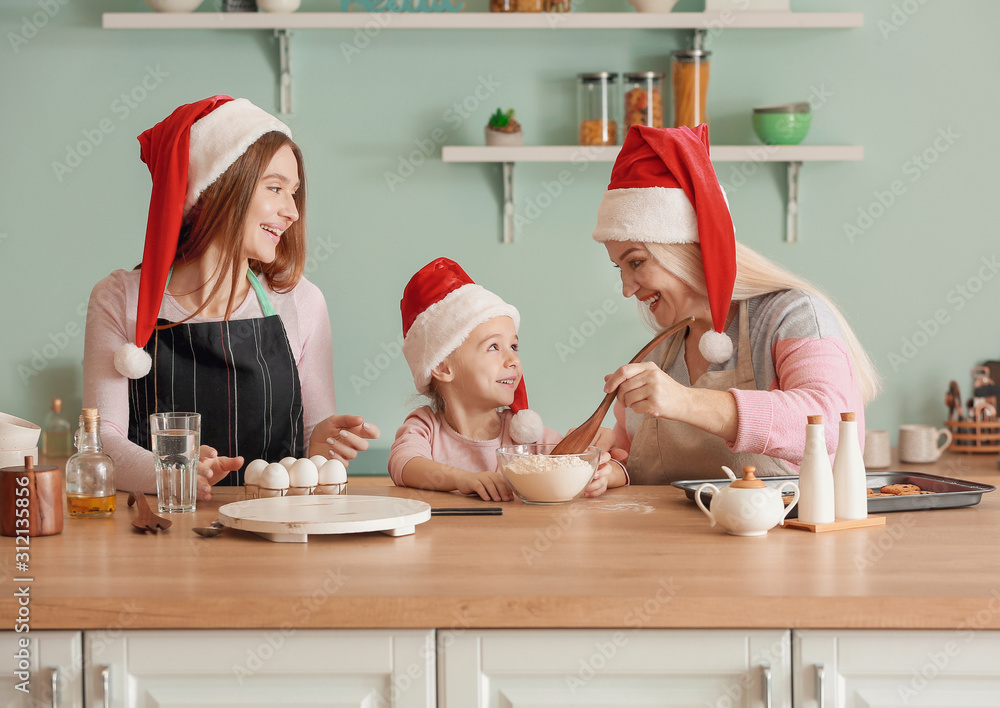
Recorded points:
(357,116)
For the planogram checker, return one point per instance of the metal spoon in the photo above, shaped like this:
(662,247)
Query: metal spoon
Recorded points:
(213,529)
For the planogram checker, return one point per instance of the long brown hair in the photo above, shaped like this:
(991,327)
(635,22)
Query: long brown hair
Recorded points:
(220,215)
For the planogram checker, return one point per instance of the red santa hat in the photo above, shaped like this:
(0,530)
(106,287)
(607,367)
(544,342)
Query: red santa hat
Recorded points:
(186,152)
(441,306)
(664,189)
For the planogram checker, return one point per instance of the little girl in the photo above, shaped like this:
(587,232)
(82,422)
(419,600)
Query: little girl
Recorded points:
(460,341)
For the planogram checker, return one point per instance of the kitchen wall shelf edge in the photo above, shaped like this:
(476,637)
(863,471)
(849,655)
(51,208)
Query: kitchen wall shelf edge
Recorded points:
(701,22)
(792,155)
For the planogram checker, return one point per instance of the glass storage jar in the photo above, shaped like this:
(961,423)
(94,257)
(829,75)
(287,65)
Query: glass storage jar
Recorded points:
(503,5)
(689,78)
(596,100)
(643,99)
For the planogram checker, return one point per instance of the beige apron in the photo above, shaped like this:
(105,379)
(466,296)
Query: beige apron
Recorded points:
(664,451)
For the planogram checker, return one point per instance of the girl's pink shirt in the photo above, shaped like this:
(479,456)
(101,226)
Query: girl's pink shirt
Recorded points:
(427,434)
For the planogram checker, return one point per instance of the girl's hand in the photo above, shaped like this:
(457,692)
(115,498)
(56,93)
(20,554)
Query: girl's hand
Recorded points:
(608,475)
(490,486)
(342,437)
(212,469)
(647,389)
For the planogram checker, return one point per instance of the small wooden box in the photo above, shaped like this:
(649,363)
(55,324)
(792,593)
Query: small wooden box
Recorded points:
(974,435)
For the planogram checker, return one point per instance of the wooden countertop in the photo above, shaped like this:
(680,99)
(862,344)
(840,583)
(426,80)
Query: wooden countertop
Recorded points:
(636,557)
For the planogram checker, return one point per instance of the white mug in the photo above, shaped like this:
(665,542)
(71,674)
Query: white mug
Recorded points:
(919,443)
(878,452)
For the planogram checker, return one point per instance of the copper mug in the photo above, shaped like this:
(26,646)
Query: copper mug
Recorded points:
(31,500)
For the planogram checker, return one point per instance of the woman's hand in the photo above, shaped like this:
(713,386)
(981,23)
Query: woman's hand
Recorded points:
(490,486)
(342,437)
(212,469)
(647,389)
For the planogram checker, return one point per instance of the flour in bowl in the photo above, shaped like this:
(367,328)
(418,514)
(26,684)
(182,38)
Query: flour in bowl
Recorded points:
(540,478)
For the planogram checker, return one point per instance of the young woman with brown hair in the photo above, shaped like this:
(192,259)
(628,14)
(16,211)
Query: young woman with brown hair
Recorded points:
(217,319)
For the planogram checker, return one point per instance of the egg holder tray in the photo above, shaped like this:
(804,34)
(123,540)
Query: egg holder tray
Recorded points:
(253,491)
(947,493)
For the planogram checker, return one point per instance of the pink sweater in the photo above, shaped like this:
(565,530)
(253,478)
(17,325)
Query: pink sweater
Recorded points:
(111,323)
(427,434)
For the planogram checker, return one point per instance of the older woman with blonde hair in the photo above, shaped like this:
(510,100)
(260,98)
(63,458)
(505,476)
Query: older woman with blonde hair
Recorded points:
(765,349)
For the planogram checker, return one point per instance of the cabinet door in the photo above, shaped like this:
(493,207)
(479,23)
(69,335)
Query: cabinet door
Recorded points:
(51,660)
(612,668)
(889,668)
(165,669)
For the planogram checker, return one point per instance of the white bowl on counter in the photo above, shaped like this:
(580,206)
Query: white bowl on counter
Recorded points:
(173,5)
(15,458)
(278,5)
(17,433)
(653,5)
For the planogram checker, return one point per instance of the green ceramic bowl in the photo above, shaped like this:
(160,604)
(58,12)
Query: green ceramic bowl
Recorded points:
(786,124)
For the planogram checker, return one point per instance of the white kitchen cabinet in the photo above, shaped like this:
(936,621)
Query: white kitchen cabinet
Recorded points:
(887,668)
(54,660)
(169,668)
(613,668)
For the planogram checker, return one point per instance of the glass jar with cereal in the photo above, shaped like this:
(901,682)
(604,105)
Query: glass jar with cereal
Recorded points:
(643,99)
(597,100)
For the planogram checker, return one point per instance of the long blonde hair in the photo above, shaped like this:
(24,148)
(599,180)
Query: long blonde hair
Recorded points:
(757,275)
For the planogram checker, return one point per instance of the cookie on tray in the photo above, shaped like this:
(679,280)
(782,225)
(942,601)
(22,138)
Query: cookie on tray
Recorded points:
(900,489)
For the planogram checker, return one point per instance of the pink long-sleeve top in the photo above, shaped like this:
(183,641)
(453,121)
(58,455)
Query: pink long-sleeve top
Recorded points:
(111,323)
(427,434)
(801,367)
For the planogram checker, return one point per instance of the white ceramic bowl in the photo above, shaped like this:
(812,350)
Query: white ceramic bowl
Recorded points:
(538,477)
(278,5)
(15,458)
(653,5)
(17,433)
(173,5)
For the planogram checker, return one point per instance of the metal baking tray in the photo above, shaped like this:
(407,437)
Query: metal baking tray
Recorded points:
(948,493)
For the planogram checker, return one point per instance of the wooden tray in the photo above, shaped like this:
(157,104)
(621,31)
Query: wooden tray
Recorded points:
(292,519)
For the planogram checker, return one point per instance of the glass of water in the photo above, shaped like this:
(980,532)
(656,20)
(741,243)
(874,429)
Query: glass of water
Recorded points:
(176,441)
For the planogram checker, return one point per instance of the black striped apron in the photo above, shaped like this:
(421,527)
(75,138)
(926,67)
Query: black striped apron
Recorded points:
(239,374)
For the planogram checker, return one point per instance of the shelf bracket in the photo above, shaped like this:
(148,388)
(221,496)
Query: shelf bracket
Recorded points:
(285,62)
(792,205)
(508,202)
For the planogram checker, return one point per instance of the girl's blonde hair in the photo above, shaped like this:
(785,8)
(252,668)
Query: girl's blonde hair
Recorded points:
(757,275)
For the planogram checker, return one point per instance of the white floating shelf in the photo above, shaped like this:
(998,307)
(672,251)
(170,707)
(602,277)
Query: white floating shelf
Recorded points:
(792,155)
(484,20)
(719,153)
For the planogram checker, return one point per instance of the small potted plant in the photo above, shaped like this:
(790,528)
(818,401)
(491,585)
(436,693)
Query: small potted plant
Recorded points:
(503,130)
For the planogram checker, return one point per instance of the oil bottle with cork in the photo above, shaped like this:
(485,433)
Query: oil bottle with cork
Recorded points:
(90,473)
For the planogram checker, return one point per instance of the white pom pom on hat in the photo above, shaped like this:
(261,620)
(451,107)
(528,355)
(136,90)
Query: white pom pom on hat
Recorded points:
(441,305)
(185,153)
(664,189)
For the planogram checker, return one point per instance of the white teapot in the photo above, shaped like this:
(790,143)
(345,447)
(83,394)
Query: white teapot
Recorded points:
(747,507)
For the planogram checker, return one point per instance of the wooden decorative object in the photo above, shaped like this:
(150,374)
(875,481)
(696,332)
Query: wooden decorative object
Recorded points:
(42,488)
(839,525)
(974,435)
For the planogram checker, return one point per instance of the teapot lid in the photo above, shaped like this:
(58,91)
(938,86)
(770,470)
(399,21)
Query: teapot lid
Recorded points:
(749,480)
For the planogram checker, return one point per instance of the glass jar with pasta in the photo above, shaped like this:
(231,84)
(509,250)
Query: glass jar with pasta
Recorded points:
(643,99)
(597,100)
(689,76)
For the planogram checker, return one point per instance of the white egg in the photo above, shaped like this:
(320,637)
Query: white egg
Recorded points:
(251,475)
(318,460)
(303,474)
(287,462)
(274,476)
(332,472)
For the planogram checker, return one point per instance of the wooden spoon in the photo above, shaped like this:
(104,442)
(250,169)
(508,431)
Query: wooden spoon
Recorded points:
(146,520)
(579,439)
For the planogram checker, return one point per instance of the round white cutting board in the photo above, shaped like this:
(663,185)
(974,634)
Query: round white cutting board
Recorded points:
(292,519)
